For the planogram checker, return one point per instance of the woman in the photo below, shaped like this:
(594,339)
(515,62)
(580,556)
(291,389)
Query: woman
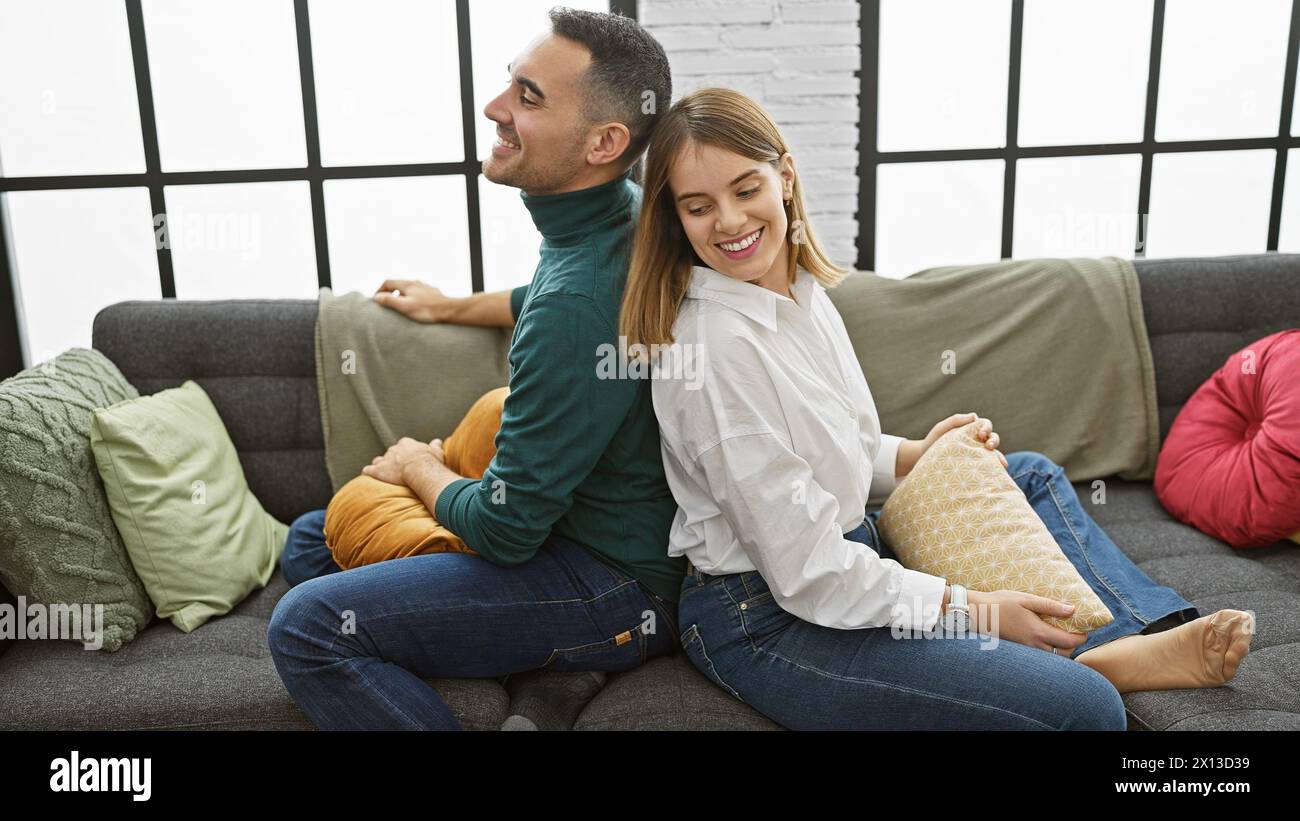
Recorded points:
(793,603)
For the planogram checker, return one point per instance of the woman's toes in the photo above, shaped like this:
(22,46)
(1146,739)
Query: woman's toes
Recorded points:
(1243,633)
(1227,641)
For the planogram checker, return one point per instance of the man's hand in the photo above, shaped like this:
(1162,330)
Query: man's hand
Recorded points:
(425,303)
(407,454)
(415,300)
(911,450)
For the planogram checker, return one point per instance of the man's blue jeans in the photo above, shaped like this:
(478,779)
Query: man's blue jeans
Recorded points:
(354,647)
(806,676)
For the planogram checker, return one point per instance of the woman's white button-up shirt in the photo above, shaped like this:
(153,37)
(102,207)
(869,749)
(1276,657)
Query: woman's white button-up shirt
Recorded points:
(773,449)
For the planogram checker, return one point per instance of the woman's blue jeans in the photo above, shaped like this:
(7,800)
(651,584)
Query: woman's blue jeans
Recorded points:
(354,648)
(806,676)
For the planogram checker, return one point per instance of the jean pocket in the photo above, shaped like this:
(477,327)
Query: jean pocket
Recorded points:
(761,617)
(693,646)
(621,652)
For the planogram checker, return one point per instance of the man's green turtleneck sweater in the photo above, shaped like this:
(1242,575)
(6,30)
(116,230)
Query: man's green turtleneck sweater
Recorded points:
(577,454)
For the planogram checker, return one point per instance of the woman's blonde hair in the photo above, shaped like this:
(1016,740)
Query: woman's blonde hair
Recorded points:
(660,268)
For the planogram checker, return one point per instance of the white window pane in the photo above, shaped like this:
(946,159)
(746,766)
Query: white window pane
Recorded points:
(1221,69)
(225,84)
(499,30)
(1071,91)
(937,213)
(67,89)
(511,243)
(1210,203)
(77,252)
(943,74)
(242,241)
(387,81)
(1076,206)
(1289,238)
(398,228)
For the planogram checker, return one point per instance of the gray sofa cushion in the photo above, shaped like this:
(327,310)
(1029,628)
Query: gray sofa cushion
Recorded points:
(221,676)
(1265,693)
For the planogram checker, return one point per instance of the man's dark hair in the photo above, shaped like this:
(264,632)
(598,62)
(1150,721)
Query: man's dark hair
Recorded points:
(628,76)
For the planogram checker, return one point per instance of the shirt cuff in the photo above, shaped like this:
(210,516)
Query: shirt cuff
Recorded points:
(919,601)
(883,479)
(442,505)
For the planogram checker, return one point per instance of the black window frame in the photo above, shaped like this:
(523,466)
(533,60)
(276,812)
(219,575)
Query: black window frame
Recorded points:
(870,158)
(154,178)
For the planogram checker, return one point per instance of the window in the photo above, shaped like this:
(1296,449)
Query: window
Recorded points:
(1034,128)
(216,149)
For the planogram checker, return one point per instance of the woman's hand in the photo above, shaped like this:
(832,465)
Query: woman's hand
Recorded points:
(1017,617)
(911,450)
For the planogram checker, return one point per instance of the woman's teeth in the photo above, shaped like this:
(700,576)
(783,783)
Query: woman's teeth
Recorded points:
(742,244)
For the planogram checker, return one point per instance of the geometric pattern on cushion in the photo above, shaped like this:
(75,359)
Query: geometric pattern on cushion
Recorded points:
(959,515)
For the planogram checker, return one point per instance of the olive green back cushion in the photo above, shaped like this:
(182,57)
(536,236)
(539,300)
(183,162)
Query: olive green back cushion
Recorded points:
(197,536)
(58,544)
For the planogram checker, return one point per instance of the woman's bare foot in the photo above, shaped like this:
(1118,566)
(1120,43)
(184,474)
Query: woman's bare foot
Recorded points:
(1202,653)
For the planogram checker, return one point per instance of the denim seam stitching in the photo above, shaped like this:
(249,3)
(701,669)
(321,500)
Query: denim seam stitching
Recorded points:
(663,607)
(346,661)
(874,682)
(480,605)
(716,678)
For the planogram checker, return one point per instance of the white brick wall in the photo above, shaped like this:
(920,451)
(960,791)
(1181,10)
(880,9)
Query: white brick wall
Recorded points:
(795,58)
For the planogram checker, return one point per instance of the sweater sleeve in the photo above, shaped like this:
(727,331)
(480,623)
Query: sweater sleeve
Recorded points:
(557,421)
(517,297)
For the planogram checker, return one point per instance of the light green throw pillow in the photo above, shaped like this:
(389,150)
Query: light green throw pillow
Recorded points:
(197,536)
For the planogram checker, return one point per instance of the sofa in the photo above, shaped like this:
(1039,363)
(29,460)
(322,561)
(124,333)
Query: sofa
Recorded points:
(255,358)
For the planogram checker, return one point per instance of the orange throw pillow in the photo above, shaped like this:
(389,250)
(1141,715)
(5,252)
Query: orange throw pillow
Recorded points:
(371,521)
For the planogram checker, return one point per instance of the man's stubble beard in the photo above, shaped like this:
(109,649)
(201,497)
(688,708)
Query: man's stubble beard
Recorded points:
(531,178)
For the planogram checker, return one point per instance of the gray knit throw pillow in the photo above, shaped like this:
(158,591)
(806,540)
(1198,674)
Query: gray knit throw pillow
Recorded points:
(58,544)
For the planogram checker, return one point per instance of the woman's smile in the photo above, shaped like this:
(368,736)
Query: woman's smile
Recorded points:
(743,248)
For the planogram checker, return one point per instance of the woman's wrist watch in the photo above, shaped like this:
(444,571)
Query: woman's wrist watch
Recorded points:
(958,614)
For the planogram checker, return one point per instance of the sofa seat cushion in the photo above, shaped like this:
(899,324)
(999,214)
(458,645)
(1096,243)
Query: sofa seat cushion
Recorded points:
(669,694)
(219,677)
(1265,693)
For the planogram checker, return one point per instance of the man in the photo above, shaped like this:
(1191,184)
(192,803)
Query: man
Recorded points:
(571,520)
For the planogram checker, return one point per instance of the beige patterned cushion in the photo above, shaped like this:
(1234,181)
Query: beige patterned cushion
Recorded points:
(960,515)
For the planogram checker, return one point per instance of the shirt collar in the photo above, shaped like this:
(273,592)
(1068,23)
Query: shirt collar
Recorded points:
(753,301)
(579,211)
